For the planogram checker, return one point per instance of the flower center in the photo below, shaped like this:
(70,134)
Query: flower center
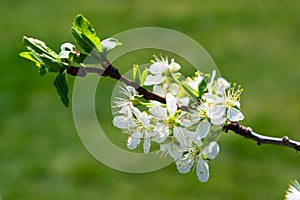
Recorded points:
(170,122)
(233,94)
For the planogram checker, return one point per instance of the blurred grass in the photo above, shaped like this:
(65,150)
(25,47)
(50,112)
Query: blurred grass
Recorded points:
(254,43)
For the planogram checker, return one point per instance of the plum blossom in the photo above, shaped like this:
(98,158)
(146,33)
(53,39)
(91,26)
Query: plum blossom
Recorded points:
(198,156)
(160,69)
(171,135)
(293,192)
(187,135)
(138,127)
(125,104)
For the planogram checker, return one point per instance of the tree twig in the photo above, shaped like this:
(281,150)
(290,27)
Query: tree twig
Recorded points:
(112,72)
(261,139)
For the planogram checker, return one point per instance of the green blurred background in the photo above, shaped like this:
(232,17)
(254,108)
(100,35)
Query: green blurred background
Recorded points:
(254,43)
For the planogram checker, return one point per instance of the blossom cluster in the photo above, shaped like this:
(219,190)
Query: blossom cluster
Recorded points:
(188,125)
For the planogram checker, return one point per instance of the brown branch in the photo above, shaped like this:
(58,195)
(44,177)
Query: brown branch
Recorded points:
(261,139)
(112,72)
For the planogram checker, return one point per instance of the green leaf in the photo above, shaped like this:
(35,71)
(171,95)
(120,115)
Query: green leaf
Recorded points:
(109,44)
(143,77)
(135,69)
(30,56)
(39,47)
(61,85)
(43,56)
(189,90)
(85,35)
(52,64)
(201,88)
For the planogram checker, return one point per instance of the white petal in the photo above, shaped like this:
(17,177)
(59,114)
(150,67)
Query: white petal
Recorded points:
(222,85)
(184,166)
(146,145)
(157,68)
(216,112)
(126,111)
(121,122)
(192,83)
(130,91)
(159,112)
(137,112)
(145,119)
(67,47)
(171,104)
(64,54)
(213,99)
(153,80)
(162,132)
(189,137)
(212,78)
(133,142)
(184,101)
(234,115)
(174,151)
(202,170)
(211,150)
(157,89)
(174,88)
(109,44)
(202,129)
(174,66)
(180,137)
(293,192)
(218,121)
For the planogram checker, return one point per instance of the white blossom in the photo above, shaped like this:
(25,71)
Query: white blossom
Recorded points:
(293,192)
(198,156)
(138,127)
(66,49)
(159,71)
(195,80)
(125,105)
(172,137)
(187,135)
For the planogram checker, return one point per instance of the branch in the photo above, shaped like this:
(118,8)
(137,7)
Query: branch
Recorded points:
(261,139)
(112,72)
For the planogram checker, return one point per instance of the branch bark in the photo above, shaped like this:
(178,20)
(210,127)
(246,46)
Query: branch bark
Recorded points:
(261,139)
(112,72)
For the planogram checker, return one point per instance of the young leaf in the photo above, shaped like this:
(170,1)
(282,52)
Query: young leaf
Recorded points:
(52,64)
(30,56)
(143,77)
(43,56)
(85,35)
(189,90)
(201,88)
(61,85)
(39,47)
(134,72)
